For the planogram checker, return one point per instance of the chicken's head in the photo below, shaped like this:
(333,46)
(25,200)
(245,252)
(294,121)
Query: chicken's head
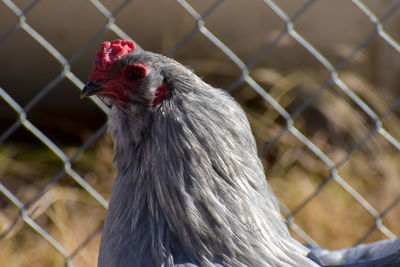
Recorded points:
(121,75)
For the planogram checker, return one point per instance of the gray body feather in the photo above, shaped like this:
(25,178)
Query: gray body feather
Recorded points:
(381,253)
(190,190)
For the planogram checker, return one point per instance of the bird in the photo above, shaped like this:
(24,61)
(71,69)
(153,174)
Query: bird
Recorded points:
(190,188)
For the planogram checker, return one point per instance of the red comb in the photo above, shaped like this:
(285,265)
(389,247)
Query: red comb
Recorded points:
(109,53)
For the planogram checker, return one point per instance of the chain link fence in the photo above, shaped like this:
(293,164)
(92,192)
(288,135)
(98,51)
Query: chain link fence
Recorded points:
(286,110)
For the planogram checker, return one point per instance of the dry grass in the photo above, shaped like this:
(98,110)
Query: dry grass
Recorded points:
(66,211)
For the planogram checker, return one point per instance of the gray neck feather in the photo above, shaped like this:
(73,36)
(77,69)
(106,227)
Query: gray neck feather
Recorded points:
(190,183)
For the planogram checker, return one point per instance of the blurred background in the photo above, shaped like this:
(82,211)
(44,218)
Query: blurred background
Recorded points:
(319,81)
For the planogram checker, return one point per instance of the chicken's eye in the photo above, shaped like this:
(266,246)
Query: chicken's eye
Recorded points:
(135,72)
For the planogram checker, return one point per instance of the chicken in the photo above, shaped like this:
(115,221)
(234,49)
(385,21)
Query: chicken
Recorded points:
(190,189)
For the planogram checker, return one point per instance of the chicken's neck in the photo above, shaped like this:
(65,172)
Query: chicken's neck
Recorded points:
(190,181)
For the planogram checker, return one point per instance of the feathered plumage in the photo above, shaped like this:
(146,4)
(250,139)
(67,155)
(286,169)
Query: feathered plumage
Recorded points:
(190,190)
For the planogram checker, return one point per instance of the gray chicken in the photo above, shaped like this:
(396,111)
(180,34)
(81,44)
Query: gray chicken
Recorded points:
(190,189)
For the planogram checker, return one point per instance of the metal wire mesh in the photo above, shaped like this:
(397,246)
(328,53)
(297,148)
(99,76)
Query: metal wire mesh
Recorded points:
(243,79)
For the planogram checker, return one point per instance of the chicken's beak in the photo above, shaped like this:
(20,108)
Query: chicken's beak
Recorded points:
(91,88)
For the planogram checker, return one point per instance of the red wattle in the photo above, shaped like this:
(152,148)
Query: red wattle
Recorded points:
(159,95)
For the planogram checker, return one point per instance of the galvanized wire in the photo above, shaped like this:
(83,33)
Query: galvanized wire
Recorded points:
(244,78)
